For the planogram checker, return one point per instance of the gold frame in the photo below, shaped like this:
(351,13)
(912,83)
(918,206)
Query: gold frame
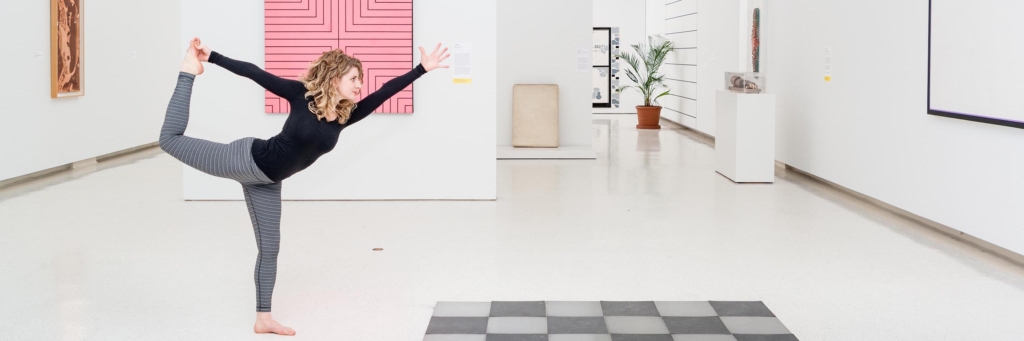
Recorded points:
(54,53)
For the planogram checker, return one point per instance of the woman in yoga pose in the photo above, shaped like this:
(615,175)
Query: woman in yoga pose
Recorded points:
(324,102)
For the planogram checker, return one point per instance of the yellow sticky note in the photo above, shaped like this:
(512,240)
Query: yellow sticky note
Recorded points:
(828,78)
(462,80)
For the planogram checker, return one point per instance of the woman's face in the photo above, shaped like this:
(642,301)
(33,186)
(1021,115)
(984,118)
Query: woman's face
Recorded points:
(350,85)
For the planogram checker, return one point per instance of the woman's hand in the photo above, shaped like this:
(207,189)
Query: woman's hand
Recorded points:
(202,51)
(434,59)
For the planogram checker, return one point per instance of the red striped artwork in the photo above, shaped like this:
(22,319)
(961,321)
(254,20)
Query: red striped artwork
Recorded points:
(377,32)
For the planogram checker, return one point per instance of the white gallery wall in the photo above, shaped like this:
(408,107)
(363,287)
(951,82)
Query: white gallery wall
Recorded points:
(681,67)
(705,33)
(719,52)
(445,150)
(656,17)
(131,60)
(868,129)
(537,43)
(630,16)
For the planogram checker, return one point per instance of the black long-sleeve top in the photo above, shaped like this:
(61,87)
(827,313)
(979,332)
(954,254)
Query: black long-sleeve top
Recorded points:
(303,139)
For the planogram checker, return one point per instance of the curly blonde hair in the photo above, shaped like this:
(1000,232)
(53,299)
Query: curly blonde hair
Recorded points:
(320,82)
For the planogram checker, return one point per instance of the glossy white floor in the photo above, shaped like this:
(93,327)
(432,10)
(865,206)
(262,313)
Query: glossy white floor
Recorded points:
(115,254)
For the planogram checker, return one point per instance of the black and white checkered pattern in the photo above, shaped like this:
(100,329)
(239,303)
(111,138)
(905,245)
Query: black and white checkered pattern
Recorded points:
(605,321)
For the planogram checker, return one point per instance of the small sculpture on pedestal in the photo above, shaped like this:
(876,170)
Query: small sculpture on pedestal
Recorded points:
(746,82)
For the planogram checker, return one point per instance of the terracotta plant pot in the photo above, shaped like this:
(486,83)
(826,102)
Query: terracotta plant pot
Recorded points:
(649,117)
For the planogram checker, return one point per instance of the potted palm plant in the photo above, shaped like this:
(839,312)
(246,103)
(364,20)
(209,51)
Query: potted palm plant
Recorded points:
(648,79)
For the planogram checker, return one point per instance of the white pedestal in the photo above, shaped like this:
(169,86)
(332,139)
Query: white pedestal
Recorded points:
(745,136)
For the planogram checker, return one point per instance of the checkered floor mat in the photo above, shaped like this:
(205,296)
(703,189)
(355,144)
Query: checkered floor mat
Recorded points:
(605,321)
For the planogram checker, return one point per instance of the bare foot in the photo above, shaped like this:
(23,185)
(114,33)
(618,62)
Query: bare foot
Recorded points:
(266,325)
(192,64)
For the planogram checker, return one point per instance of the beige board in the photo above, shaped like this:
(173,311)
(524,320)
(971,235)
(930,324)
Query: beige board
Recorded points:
(535,115)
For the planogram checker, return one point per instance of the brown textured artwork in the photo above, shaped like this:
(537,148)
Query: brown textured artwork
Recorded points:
(66,42)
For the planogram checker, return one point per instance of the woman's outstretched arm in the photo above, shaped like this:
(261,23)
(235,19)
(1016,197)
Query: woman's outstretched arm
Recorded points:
(286,88)
(386,91)
(392,87)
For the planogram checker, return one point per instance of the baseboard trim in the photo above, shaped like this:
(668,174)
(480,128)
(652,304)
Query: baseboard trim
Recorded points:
(687,128)
(34,176)
(559,153)
(124,152)
(984,246)
(71,166)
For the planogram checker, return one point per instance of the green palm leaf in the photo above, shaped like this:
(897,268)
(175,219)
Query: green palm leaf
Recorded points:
(662,94)
(652,55)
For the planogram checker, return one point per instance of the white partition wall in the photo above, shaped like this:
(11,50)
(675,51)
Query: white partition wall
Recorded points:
(537,44)
(133,68)
(445,150)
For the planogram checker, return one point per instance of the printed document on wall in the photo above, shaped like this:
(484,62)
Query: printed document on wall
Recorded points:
(462,68)
(583,63)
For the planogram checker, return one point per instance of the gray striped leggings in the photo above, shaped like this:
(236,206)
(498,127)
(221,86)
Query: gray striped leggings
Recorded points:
(232,161)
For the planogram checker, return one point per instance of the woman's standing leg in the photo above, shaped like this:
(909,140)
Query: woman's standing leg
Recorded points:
(264,203)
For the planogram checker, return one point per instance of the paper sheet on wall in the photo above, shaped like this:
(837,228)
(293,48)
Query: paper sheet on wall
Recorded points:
(462,68)
(583,63)
(828,64)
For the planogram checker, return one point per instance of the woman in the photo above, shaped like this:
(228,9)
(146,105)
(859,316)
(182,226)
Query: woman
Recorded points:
(323,103)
